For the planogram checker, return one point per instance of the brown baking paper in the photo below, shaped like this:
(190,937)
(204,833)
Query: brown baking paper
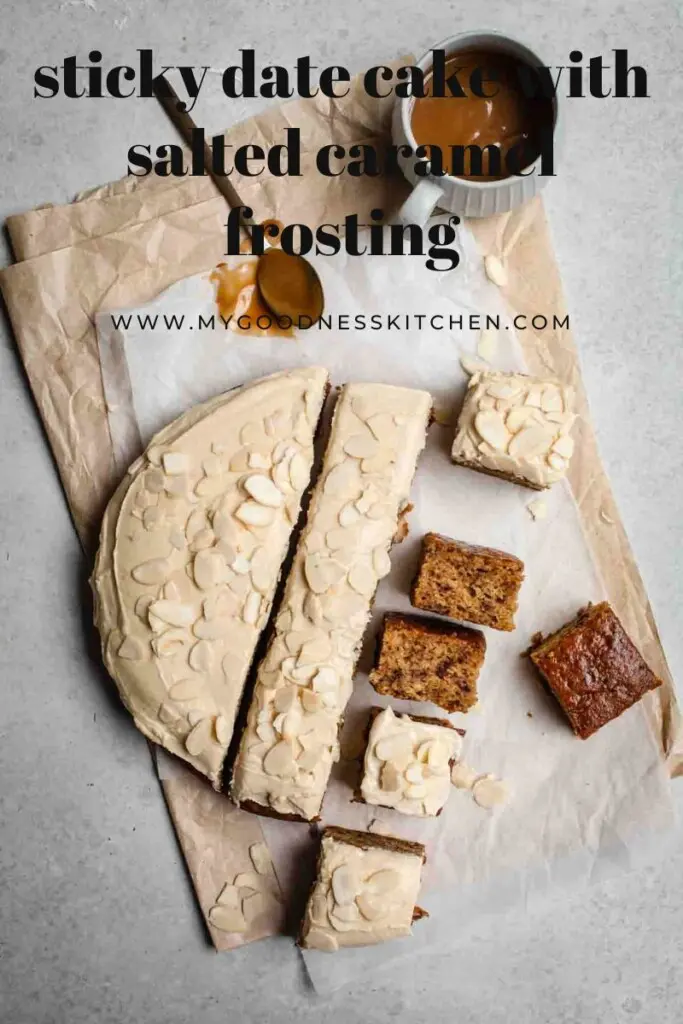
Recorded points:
(123,243)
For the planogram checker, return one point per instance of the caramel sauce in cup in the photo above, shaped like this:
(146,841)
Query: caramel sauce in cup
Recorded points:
(512,122)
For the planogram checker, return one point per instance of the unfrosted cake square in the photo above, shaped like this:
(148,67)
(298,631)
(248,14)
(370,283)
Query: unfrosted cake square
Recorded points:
(593,668)
(516,427)
(468,582)
(429,660)
(365,890)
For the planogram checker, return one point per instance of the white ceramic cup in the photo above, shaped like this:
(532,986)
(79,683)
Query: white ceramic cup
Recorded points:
(465,197)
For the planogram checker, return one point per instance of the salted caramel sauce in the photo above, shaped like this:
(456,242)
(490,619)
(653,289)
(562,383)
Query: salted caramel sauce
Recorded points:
(504,120)
(238,298)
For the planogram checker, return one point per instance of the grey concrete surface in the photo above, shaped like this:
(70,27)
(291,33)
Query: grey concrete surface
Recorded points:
(97,923)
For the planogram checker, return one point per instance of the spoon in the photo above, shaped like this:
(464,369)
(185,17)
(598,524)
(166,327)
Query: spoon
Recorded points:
(288,284)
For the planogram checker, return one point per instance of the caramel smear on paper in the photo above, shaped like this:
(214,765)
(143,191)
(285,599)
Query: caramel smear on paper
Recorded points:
(239,302)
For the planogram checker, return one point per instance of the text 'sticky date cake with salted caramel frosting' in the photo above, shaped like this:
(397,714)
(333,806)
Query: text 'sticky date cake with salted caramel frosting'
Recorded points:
(192,545)
(305,680)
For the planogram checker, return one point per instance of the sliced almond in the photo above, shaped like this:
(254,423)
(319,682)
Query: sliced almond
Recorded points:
(229,896)
(490,426)
(530,442)
(151,517)
(222,729)
(342,478)
(315,651)
(381,562)
(383,882)
(413,773)
(346,912)
(131,649)
(371,907)
(209,569)
(495,270)
(266,732)
(173,612)
(187,689)
(142,606)
(363,579)
(201,656)
(322,573)
(203,539)
(227,919)
(392,747)
(263,490)
(325,679)
(285,698)
(298,472)
(239,463)
(488,791)
(551,399)
(253,513)
(155,570)
(260,858)
(564,446)
(318,939)
(199,737)
(462,776)
(378,463)
(344,885)
(556,462)
(175,463)
(153,481)
(252,607)
(517,417)
(390,780)
(311,701)
(279,760)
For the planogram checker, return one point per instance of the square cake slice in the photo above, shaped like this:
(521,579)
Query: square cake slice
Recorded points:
(364,892)
(593,668)
(516,427)
(408,761)
(468,582)
(428,660)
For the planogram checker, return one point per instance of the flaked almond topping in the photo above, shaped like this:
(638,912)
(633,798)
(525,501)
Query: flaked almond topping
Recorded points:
(142,606)
(227,919)
(370,907)
(239,463)
(177,486)
(222,729)
(383,882)
(203,539)
(173,642)
(308,760)
(155,570)
(168,714)
(530,442)
(280,760)
(551,399)
(175,463)
(416,791)
(349,515)
(201,656)
(517,417)
(253,433)
(229,896)
(153,481)
(346,912)
(341,478)
(495,270)
(251,609)
(488,791)
(177,538)
(537,508)
(173,612)
(322,573)
(263,490)
(325,679)
(255,905)
(298,471)
(240,564)
(151,517)
(154,455)
(285,698)
(490,426)
(462,776)
(392,747)
(311,701)
(362,579)
(266,732)
(413,773)
(231,665)
(390,780)
(564,446)
(313,609)
(199,737)
(344,885)
(253,513)
(209,569)
(377,463)
(534,396)
(556,462)
(187,689)
(195,524)
(314,651)
(131,649)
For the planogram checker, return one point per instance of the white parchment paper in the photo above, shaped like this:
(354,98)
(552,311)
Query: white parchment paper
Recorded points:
(577,809)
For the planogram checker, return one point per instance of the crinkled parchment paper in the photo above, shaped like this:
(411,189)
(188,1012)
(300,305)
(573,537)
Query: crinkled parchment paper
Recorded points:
(576,808)
(124,243)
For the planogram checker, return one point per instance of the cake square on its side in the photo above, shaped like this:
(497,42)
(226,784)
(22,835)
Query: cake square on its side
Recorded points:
(467,582)
(429,660)
(365,890)
(593,668)
(408,761)
(516,427)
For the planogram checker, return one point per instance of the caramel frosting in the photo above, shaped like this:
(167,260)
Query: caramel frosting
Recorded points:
(408,763)
(305,680)
(362,896)
(191,549)
(516,426)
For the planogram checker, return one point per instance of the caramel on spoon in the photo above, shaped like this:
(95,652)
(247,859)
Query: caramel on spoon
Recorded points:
(289,285)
